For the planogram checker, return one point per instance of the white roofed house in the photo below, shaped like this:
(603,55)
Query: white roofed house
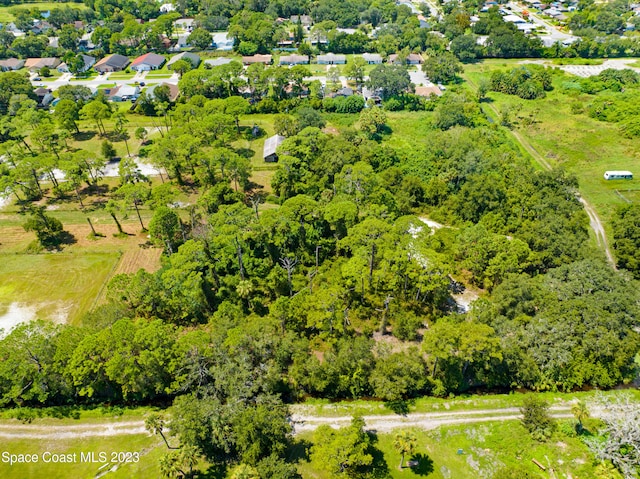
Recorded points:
(124,93)
(331,59)
(293,60)
(216,62)
(271,144)
(148,61)
(222,41)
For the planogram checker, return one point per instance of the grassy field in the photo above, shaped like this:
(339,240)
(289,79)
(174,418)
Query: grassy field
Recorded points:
(58,286)
(148,448)
(6,12)
(581,145)
(63,286)
(476,450)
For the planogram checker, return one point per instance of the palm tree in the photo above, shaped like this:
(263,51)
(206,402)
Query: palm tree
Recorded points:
(154,423)
(170,465)
(189,457)
(404,442)
(580,412)
(243,471)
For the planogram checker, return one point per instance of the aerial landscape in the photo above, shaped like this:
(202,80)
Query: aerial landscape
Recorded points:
(294,239)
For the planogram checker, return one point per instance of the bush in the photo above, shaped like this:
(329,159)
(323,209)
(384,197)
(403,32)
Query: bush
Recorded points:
(536,418)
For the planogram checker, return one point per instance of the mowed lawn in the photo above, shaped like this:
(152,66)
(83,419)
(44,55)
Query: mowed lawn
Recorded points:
(55,284)
(474,450)
(149,450)
(7,16)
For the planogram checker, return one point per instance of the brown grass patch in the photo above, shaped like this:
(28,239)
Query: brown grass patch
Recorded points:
(134,259)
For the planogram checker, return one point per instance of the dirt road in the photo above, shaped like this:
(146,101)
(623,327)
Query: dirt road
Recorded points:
(301,423)
(594,220)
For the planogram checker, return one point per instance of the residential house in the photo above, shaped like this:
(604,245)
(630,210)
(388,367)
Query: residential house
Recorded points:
(372,58)
(173,91)
(344,92)
(190,57)
(40,27)
(216,62)
(111,63)
(411,59)
(88,63)
(147,62)
(266,59)
(86,44)
(514,19)
(304,20)
(34,64)
(271,144)
(186,24)
(222,41)
(424,23)
(332,59)
(183,42)
(44,95)
(427,91)
(123,93)
(294,60)
(11,64)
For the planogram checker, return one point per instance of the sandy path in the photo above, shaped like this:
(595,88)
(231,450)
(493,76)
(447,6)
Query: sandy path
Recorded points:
(301,423)
(34,431)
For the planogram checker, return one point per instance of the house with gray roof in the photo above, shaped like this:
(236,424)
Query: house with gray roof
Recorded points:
(187,56)
(124,93)
(11,64)
(372,58)
(111,63)
(89,61)
(216,62)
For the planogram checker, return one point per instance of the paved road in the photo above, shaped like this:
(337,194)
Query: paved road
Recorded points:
(100,80)
(552,32)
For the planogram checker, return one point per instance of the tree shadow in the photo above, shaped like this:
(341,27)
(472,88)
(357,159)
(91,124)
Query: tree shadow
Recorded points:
(400,406)
(298,450)
(215,471)
(84,135)
(379,469)
(67,238)
(245,152)
(424,465)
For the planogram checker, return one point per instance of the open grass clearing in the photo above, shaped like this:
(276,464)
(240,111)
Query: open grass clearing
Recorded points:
(6,12)
(59,286)
(144,464)
(476,450)
(581,145)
